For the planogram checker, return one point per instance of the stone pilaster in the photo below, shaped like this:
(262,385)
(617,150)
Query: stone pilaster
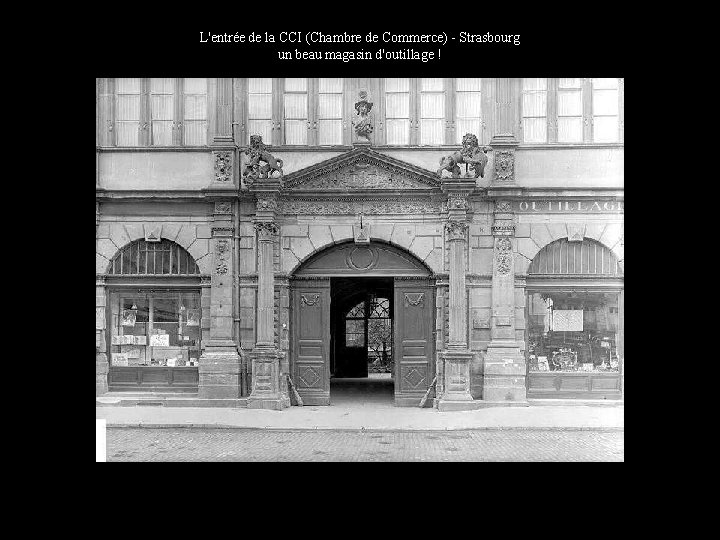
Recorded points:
(101,359)
(219,368)
(456,357)
(268,390)
(504,141)
(504,368)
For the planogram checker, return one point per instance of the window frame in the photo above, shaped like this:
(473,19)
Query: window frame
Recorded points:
(107,115)
(277,131)
(449,119)
(587,115)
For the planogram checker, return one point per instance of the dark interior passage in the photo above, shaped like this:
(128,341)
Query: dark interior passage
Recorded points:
(361,327)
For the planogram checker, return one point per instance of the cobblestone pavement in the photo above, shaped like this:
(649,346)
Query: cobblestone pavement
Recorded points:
(145,444)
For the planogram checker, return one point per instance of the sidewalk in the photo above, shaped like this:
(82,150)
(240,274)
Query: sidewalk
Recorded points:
(353,417)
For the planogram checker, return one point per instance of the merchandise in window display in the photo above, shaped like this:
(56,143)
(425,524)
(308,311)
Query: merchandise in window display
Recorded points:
(165,329)
(592,350)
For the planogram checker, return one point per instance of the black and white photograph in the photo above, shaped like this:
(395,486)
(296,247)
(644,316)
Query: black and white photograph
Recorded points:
(360,268)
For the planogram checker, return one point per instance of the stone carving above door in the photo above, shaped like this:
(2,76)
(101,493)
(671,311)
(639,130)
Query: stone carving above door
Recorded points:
(361,176)
(361,169)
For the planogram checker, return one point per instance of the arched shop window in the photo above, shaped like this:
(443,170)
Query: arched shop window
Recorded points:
(155,317)
(584,258)
(153,258)
(574,321)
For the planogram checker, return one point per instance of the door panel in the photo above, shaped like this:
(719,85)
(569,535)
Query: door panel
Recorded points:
(311,340)
(414,314)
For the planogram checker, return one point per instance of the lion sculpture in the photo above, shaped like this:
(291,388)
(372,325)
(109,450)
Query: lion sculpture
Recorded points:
(260,163)
(471,155)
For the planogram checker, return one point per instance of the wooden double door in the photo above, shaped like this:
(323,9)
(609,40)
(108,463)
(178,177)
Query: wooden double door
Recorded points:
(413,322)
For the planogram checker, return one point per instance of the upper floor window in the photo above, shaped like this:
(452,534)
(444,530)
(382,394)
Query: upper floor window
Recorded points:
(432,111)
(571,110)
(397,111)
(295,109)
(195,112)
(259,104)
(605,110)
(468,108)
(162,111)
(330,111)
(147,112)
(534,110)
(128,93)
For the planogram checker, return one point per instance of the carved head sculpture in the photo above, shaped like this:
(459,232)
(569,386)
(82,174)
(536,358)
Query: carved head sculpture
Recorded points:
(469,142)
(363,106)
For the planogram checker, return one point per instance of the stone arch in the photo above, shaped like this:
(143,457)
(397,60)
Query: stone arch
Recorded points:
(382,258)
(610,235)
(313,239)
(114,236)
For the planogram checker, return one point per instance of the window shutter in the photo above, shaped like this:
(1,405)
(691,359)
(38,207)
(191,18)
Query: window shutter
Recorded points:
(105,107)
(260,109)
(570,110)
(295,111)
(397,111)
(330,112)
(534,110)
(195,111)
(468,108)
(128,95)
(162,111)
(431,111)
(605,110)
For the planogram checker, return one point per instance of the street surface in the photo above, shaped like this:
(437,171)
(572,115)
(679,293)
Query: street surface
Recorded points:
(194,444)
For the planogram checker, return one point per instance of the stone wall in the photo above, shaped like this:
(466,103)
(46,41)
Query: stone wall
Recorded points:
(156,170)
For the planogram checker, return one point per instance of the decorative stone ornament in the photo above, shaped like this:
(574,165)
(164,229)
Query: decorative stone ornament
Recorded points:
(309,299)
(576,232)
(503,228)
(154,234)
(260,163)
(457,201)
(503,255)
(504,165)
(471,155)
(363,125)
(223,166)
(503,207)
(362,235)
(221,267)
(456,229)
(223,208)
(349,206)
(266,203)
(222,246)
(266,230)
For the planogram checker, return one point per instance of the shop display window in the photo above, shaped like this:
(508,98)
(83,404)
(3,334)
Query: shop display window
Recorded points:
(573,332)
(155,329)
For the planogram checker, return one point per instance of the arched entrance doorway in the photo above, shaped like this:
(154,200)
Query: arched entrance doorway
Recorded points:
(360,310)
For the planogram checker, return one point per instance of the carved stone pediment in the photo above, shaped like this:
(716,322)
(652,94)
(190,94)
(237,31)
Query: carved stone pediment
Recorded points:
(361,169)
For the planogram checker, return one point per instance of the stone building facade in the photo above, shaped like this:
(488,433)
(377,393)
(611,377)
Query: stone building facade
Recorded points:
(229,284)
